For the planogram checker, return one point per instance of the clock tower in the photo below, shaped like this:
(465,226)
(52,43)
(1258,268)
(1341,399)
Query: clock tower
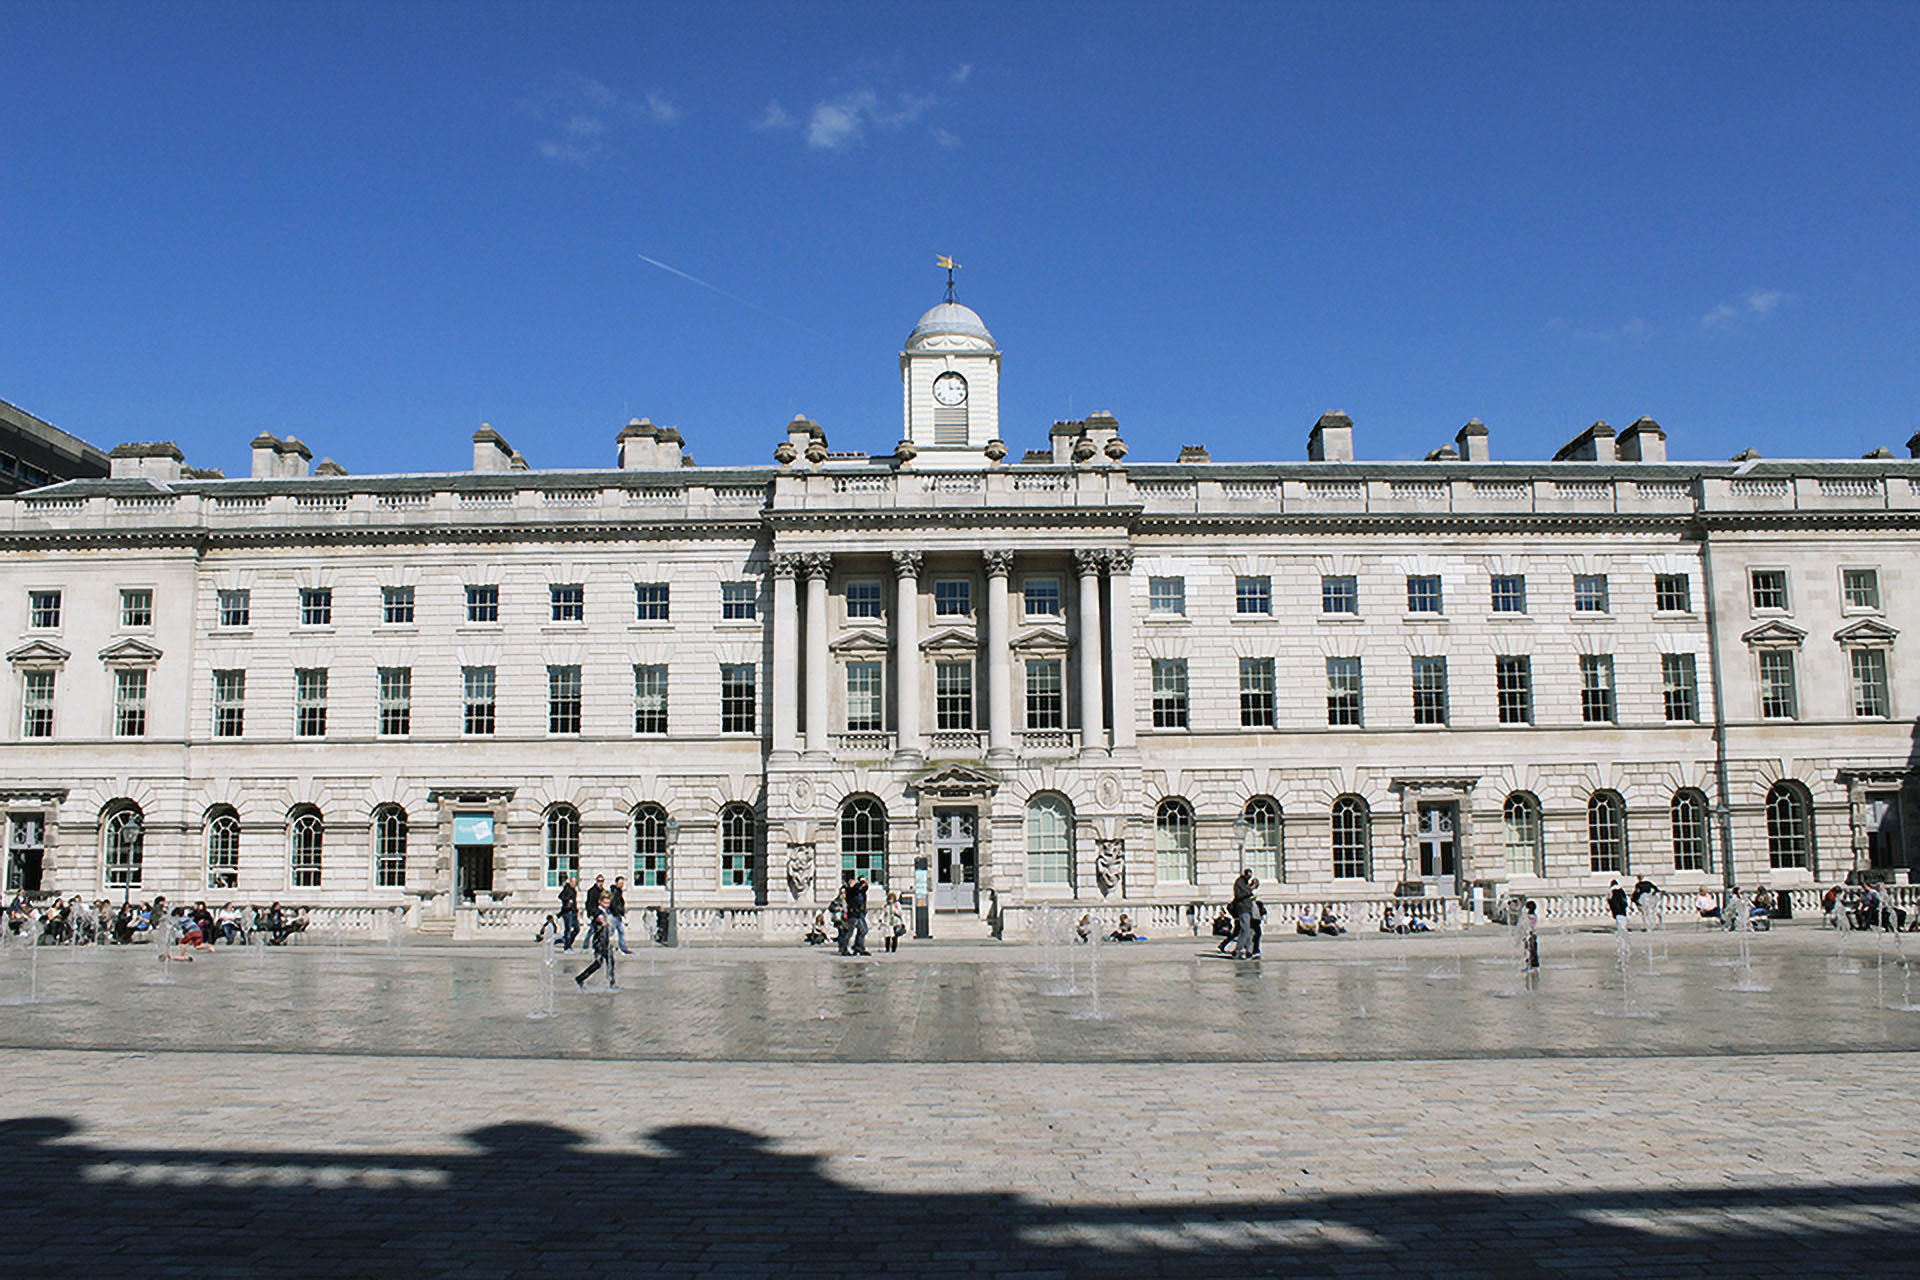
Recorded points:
(950,384)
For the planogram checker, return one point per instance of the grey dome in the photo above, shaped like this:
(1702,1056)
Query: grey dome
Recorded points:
(949,318)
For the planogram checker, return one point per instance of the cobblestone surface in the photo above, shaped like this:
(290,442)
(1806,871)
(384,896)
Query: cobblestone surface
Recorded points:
(1684,1159)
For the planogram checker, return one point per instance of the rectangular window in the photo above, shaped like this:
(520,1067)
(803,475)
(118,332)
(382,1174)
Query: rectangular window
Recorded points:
(1423,593)
(229,704)
(1779,699)
(953,695)
(316,606)
(136,608)
(739,601)
(1672,593)
(866,701)
(1046,706)
(1253,595)
(1167,596)
(1429,690)
(650,603)
(1590,593)
(1343,691)
(1680,690)
(43,610)
(1596,688)
(476,701)
(236,608)
(863,599)
(1042,597)
(1870,684)
(396,606)
(739,697)
(1169,693)
(130,704)
(953,598)
(396,701)
(563,699)
(37,705)
(567,602)
(1513,689)
(1859,589)
(649,699)
(1340,595)
(310,702)
(483,604)
(1768,590)
(1509,593)
(1256,693)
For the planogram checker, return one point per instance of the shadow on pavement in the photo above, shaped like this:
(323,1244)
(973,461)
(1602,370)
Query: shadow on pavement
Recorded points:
(531,1198)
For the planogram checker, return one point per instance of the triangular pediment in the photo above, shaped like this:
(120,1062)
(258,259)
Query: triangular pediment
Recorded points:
(956,780)
(1046,638)
(130,652)
(950,640)
(860,642)
(38,653)
(1866,631)
(1775,635)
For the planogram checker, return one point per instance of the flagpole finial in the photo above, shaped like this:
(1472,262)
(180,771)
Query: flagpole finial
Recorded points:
(951,266)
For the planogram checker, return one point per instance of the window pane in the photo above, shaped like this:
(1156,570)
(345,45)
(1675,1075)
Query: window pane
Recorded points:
(1173,843)
(863,600)
(1606,833)
(1870,683)
(483,604)
(477,687)
(396,701)
(563,700)
(649,699)
(43,609)
(1429,690)
(1351,832)
(236,607)
(1860,588)
(136,608)
(953,695)
(649,845)
(130,704)
(1778,697)
(396,606)
(1596,688)
(563,845)
(1046,708)
(1513,689)
(866,708)
(567,602)
(1521,819)
(1340,595)
(1681,695)
(310,702)
(737,845)
(1042,597)
(1343,691)
(1049,841)
(1169,693)
(1253,595)
(1423,594)
(953,598)
(1256,693)
(390,848)
(1260,836)
(1590,593)
(37,704)
(1788,842)
(738,697)
(1769,589)
(308,839)
(1673,593)
(650,602)
(223,852)
(1689,831)
(316,606)
(1167,595)
(1509,593)
(739,601)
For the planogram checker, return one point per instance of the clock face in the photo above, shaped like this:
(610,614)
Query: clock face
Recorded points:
(950,389)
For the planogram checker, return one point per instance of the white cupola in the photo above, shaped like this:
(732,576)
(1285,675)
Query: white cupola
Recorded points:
(950,384)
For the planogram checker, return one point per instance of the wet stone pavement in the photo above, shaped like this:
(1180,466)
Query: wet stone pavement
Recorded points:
(1354,1106)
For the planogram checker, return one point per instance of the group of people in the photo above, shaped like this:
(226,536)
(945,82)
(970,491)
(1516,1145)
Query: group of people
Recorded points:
(605,925)
(1866,906)
(1243,920)
(1756,910)
(848,915)
(188,927)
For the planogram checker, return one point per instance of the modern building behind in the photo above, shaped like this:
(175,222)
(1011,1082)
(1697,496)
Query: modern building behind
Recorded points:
(1069,676)
(35,453)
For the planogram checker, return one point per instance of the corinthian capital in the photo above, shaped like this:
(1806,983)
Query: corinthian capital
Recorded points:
(815,564)
(1089,562)
(786,564)
(907,563)
(1120,560)
(999,563)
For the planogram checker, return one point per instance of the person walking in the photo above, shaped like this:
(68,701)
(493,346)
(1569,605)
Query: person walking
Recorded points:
(600,942)
(617,910)
(1241,909)
(893,923)
(569,913)
(842,922)
(1530,931)
(1617,906)
(595,893)
(857,914)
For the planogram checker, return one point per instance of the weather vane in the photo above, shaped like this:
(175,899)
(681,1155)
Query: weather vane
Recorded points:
(951,267)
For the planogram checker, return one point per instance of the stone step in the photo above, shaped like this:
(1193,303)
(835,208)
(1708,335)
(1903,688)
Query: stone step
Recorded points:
(957,925)
(434,929)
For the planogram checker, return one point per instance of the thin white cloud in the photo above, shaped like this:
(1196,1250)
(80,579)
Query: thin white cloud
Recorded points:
(1754,304)
(774,117)
(834,125)
(580,118)
(849,118)
(1632,332)
(961,74)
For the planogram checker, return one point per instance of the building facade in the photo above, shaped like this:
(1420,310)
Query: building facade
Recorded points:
(1071,678)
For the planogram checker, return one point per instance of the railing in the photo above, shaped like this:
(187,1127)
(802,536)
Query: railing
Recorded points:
(401,501)
(862,484)
(740,495)
(248,502)
(1763,488)
(861,744)
(1250,490)
(146,502)
(953,484)
(1040,484)
(570,497)
(1035,742)
(656,497)
(1584,490)
(1502,490)
(1345,490)
(954,742)
(1862,488)
(320,501)
(487,498)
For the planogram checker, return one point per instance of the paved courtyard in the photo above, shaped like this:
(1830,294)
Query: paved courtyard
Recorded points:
(1356,1106)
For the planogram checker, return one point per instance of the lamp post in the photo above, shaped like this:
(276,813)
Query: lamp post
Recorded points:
(670,935)
(128,833)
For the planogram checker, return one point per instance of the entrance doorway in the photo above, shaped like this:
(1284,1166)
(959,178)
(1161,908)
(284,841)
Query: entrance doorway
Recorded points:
(476,870)
(1885,848)
(1437,847)
(956,859)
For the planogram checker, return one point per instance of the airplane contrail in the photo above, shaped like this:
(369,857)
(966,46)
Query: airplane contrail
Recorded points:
(734,297)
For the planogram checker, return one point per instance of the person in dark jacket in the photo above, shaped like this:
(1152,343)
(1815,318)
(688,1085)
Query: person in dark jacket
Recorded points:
(569,913)
(617,911)
(600,942)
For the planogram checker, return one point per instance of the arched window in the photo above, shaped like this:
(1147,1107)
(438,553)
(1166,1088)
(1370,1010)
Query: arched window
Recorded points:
(125,833)
(307,838)
(1520,817)
(1261,851)
(1352,831)
(1789,827)
(563,844)
(863,838)
(1690,831)
(1607,833)
(1049,840)
(737,845)
(389,847)
(1173,842)
(223,848)
(649,844)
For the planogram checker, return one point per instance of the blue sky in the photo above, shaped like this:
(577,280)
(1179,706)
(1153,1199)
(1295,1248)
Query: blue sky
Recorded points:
(377,226)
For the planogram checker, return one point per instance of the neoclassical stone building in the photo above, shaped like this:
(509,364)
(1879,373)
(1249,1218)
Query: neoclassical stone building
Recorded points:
(1070,677)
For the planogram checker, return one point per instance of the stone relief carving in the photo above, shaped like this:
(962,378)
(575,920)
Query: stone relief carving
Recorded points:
(999,563)
(1110,865)
(907,563)
(800,867)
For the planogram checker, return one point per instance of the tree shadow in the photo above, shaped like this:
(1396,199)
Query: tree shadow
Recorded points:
(717,1201)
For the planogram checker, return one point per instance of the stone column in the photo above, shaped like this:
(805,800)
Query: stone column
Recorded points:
(1120,631)
(786,657)
(999,659)
(1093,719)
(815,565)
(906,655)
